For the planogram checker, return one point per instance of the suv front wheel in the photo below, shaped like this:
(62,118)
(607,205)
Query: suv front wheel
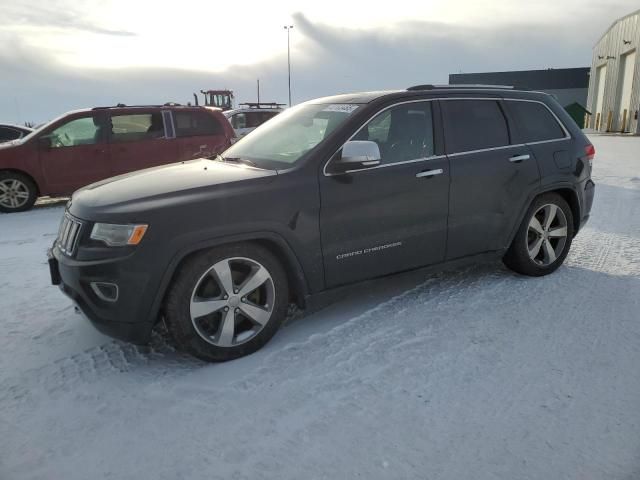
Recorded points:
(227,302)
(544,237)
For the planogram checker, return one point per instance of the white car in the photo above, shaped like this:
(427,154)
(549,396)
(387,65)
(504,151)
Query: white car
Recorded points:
(248,116)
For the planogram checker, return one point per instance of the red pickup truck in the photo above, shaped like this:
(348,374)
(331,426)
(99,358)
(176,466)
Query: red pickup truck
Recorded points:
(84,146)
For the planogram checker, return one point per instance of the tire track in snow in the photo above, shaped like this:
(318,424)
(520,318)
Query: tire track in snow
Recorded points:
(159,359)
(362,336)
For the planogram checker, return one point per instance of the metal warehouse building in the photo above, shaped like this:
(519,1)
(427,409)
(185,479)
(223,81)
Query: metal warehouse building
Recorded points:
(568,85)
(614,88)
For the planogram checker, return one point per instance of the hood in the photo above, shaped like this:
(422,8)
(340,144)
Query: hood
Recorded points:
(164,184)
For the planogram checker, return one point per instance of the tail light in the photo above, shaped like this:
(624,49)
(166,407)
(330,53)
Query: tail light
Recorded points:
(590,151)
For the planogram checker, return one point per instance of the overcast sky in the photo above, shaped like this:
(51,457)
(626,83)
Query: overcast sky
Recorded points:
(60,55)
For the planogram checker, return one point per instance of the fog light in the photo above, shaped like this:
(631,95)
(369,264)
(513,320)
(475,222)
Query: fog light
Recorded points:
(105,291)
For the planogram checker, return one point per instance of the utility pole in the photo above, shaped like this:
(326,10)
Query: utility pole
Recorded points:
(258,90)
(288,29)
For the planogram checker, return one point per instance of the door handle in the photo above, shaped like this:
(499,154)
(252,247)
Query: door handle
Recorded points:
(429,173)
(520,158)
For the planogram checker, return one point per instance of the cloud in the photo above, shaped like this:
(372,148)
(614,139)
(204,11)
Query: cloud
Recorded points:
(325,60)
(53,14)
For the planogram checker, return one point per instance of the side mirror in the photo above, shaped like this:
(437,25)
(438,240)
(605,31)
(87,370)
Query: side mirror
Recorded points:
(357,155)
(44,142)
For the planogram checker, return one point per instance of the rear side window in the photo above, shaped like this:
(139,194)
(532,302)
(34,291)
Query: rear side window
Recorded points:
(254,119)
(534,122)
(195,124)
(474,125)
(141,126)
(268,115)
(239,120)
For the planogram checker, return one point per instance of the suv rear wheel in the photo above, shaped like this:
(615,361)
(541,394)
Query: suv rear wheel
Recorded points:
(18,193)
(544,237)
(227,302)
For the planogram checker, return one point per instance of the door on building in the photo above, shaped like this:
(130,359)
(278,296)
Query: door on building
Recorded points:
(601,74)
(625,83)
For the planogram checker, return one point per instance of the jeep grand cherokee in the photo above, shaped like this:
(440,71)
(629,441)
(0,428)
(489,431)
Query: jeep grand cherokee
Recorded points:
(333,191)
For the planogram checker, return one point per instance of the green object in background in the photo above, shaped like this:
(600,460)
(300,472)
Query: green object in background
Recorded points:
(577,112)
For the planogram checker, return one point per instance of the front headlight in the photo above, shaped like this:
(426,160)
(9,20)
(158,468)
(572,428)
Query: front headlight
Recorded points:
(118,235)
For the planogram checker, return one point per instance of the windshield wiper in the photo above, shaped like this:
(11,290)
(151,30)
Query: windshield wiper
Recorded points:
(220,158)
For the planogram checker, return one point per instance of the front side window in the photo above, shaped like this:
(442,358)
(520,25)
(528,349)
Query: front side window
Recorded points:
(474,125)
(402,133)
(195,124)
(136,127)
(534,121)
(285,139)
(81,131)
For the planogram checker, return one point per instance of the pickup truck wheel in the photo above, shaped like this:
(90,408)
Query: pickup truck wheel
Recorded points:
(227,302)
(18,193)
(544,237)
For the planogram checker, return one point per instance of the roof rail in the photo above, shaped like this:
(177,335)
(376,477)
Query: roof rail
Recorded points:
(436,87)
(122,105)
(263,104)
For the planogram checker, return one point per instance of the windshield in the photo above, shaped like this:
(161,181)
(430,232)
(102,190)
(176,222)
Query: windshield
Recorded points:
(282,141)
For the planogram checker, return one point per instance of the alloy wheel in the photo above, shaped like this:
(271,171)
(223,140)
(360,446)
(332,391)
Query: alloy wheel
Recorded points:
(13,193)
(546,234)
(232,301)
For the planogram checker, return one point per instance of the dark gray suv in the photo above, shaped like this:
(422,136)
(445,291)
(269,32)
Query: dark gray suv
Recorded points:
(331,192)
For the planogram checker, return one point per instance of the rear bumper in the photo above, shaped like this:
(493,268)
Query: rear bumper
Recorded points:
(126,317)
(588,193)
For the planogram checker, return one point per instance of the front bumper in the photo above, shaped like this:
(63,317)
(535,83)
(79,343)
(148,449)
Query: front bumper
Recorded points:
(127,317)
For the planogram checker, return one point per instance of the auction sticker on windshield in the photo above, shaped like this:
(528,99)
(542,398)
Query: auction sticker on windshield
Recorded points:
(340,107)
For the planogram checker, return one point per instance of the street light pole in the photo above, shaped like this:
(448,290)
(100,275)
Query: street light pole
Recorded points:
(288,28)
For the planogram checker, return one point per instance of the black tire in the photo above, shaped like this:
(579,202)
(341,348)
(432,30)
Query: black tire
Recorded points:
(178,302)
(517,257)
(25,183)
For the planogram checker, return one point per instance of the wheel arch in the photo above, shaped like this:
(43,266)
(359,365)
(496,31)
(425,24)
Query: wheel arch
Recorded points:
(566,191)
(571,197)
(22,172)
(273,242)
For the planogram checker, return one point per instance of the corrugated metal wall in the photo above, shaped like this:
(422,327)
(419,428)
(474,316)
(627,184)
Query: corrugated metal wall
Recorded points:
(612,44)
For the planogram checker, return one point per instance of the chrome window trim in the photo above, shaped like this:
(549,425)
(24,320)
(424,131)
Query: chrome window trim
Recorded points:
(385,165)
(420,100)
(503,147)
(433,157)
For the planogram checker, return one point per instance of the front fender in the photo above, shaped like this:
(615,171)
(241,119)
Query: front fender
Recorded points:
(284,251)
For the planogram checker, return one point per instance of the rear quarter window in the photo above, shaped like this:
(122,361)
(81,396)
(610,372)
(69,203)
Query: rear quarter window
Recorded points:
(474,125)
(195,124)
(7,134)
(534,122)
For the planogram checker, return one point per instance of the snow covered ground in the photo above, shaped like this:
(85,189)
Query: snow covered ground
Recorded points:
(472,372)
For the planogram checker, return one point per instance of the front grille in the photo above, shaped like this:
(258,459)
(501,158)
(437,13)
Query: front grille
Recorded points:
(69,234)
